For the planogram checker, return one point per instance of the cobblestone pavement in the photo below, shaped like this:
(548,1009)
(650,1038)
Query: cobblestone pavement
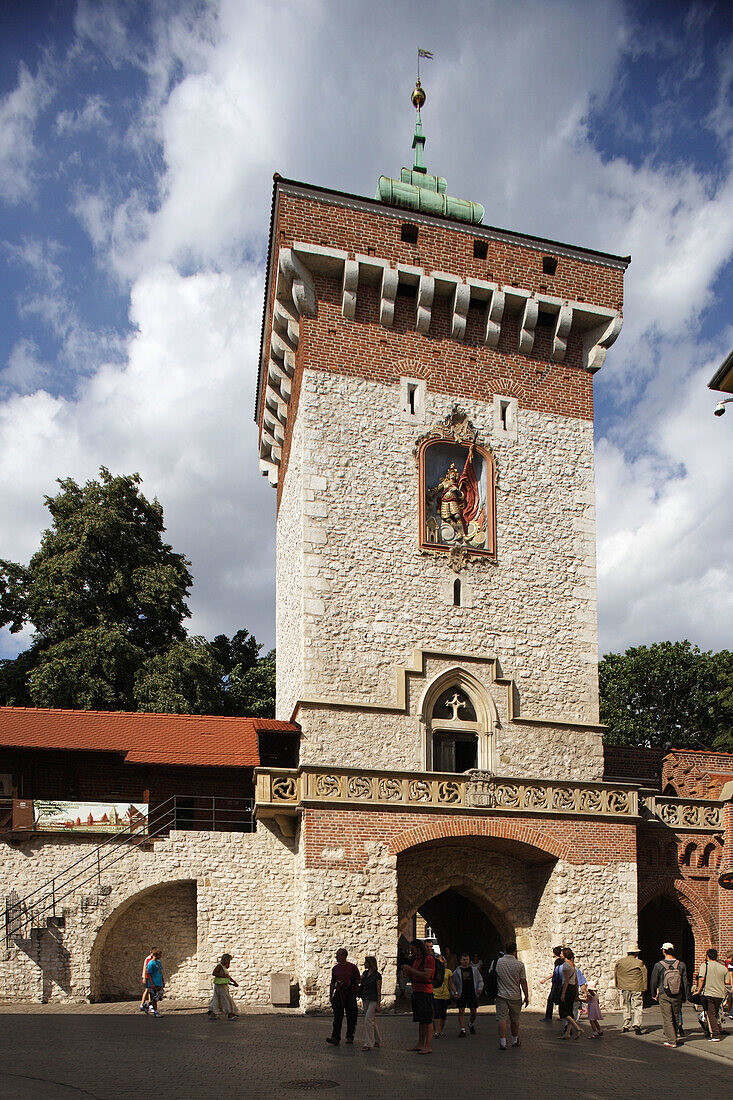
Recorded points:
(113,1052)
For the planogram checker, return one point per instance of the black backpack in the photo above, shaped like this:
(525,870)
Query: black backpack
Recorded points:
(439,975)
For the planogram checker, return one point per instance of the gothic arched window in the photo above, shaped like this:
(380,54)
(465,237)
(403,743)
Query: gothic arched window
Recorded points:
(455,731)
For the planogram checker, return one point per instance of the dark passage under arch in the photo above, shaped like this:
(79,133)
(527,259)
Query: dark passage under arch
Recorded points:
(461,925)
(663,920)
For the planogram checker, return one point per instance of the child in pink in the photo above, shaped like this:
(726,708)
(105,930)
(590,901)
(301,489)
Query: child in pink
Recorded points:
(594,1015)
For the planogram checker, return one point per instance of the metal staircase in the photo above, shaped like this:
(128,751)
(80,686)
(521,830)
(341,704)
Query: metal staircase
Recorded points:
(38,909)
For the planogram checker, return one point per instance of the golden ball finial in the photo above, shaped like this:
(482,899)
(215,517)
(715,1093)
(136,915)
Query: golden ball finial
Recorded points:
(418,96)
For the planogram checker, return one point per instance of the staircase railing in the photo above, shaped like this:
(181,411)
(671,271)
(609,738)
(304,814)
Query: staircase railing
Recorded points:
(208,814)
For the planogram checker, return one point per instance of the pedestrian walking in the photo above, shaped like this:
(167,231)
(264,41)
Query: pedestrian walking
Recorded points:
(568,996)
(511,979)
(155,982)
(555,980)
(713,985)
(728,1006)
(594,1015)
(221,1000)
(441,995)
(630,977)
(579,1006)
(669,987)
(370,989)
(467,985)
(345,979)
(144,979)
(421,970)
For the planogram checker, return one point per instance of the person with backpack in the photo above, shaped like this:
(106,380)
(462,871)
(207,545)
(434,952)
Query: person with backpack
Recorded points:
(441,993)
(669,987)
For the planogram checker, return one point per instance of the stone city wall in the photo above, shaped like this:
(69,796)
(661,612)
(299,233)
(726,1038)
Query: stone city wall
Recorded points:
(194,895)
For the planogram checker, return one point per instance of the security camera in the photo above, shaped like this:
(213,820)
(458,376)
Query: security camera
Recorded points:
(719,408)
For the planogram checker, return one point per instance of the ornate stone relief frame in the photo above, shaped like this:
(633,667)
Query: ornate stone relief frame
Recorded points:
(457,510)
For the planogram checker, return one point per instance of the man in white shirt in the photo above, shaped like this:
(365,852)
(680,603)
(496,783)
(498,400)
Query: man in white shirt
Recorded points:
(511,980)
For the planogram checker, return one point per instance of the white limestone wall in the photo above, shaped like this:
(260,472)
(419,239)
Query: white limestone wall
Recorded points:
(291,549)
(370,595)
(243,885)
(593,909)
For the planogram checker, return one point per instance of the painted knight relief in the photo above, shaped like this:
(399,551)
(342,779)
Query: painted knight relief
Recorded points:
(456,490)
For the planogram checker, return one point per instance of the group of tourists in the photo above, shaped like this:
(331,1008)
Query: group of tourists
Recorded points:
(710,991)
(153,982)
(434,986)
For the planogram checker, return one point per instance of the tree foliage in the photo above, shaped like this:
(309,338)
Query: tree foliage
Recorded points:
(106,596)
(669,694)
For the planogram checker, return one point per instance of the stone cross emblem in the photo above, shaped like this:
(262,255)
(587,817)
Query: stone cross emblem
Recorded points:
(457,703)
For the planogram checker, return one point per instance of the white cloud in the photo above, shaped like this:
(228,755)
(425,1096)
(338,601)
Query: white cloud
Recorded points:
(19,111)
(91,116)
(177,411)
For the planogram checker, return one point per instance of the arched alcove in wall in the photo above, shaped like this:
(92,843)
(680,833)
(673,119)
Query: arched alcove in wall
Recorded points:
(162,916)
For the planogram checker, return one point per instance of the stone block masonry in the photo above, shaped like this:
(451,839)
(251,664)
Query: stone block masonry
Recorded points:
(194,895)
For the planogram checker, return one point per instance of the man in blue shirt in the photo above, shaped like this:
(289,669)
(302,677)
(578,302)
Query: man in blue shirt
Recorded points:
(155,982)
(553,997)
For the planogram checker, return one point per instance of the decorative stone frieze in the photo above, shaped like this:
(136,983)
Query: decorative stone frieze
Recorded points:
(687,815)
(280,789)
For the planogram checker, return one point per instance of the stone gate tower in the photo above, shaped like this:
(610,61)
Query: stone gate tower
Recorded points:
(425,404)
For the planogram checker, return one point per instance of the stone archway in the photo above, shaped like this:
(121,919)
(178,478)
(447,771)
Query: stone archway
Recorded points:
(479,892)
(162,916)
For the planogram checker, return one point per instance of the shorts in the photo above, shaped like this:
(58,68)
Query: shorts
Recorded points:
(422,1008)
(440,1007)
(467,999)
(508,1010)
(155,992)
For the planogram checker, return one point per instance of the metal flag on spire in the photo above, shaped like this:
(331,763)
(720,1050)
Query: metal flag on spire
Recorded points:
(422,53)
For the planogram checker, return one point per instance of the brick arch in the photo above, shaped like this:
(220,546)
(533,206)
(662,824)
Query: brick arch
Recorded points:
(480,827)
(693,904)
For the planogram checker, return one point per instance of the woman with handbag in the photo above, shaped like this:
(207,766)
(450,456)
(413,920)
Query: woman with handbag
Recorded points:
(568,997)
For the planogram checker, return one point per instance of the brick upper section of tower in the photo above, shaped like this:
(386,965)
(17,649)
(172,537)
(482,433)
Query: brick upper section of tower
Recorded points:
(362,346)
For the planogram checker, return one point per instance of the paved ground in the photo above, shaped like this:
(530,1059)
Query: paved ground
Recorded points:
(112,1052)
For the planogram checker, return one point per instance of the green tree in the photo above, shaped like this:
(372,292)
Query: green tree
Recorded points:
(185,679)
(251,691)
(104,593)
(666,694)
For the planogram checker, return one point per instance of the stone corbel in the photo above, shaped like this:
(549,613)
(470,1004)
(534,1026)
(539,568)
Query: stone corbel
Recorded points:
(277,377)
(494,315)
(459,310)
(387,295)
(560,333)
(304,292)
(527,323)
(423,312)
(597,341)
(349,288)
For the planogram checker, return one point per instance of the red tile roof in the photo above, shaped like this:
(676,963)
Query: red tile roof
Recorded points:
(191,740)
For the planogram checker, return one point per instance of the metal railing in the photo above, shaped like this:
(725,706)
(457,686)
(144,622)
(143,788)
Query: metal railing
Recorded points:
(215,814)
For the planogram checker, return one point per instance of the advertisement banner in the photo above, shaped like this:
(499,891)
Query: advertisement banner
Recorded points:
(89,817)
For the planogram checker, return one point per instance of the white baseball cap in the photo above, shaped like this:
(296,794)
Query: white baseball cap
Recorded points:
(667,947)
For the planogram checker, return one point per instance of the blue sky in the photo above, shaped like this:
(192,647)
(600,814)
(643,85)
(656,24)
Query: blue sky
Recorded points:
(137,146)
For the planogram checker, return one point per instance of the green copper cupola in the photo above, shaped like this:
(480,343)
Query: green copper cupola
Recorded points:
(417,190)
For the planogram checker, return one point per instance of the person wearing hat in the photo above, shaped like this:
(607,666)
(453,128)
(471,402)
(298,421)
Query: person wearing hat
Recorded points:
(630,977)
(669,987)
